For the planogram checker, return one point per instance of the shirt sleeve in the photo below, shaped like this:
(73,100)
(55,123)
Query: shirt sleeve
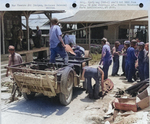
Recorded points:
(58,31)
(20,59)
(133,55)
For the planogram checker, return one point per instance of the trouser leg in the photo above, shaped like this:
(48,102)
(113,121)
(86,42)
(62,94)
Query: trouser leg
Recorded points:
(89,86)
(53,55)
(115,65)
(105,69)
(96,87)
(126,69)
(146,70)
(131,71)
(141,72)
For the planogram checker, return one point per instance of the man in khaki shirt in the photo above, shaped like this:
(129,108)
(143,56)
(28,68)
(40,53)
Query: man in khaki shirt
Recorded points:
(14,58)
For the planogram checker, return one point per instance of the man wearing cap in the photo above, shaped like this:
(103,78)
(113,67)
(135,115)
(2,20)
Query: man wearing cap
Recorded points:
(146,61)
(142,52)
(124,53)
(57,45)
(130,61)
(106,58)
(14,58)
(116,54)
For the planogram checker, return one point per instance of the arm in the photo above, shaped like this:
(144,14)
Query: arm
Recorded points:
(133,55)
(114,51)
(61,40)
(9,63)
(82,78)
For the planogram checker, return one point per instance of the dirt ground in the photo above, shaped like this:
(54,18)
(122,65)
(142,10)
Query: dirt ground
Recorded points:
(82,110)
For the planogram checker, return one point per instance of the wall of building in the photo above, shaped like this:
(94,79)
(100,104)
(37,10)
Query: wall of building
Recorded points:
(111,33)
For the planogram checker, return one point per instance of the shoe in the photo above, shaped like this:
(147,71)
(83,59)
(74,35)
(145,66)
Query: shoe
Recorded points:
(96,97)
(123,74)
(91,96)
(117,74)
(130,81)
(113,75)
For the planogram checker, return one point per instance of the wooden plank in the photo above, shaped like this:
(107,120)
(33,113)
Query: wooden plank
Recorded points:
(34,50)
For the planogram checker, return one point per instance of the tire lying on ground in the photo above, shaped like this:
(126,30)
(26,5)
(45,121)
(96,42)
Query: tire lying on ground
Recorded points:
(28,96)
(66,86)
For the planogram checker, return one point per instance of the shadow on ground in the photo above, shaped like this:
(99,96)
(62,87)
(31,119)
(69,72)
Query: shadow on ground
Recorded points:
(40,106)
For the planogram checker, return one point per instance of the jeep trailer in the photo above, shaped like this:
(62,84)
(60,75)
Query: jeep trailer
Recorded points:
(50,79)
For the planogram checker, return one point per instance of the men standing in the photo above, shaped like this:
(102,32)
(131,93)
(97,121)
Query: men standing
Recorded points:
(124,54)
(57,45)
(106,58)
(130,61)
(14,58)
(38,37)
(116,54)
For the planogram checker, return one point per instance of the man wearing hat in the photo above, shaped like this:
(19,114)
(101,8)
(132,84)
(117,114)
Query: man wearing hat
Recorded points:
(106,58)
(116,54)
(124,53)
(57,45)
(130,61)
(142,52)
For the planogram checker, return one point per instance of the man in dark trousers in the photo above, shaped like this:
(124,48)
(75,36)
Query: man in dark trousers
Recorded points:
(96,74)
(38,37)
(141,55)
(124,55)
(130,61)
(106,58)
(116,54)
(57,45)
(146,61)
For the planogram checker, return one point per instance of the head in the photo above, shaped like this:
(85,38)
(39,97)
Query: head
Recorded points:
(137,39)
(37,27)
(54,21)
(103,41)
(147,46)
(141,46)
(126,44)
(11,49)
(134,43)
(107,43)
(117,43)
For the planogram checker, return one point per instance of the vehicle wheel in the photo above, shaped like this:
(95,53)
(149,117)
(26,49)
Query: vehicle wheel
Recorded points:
(28,96)
(65,96)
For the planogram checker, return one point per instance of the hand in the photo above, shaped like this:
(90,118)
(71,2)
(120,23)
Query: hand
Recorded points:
(64,45)
(6,74)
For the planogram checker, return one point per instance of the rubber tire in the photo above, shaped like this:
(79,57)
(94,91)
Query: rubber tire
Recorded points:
(28,96)
(67,76)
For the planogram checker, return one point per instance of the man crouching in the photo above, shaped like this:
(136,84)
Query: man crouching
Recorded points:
(98,75)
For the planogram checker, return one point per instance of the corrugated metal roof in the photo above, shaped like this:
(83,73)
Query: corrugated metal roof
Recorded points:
(93,16)
(36,22)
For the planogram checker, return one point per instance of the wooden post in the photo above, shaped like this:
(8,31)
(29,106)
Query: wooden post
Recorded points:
(2,31)
(27,14)
(49,16)
(89,38)
(129,29)
(86,33)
